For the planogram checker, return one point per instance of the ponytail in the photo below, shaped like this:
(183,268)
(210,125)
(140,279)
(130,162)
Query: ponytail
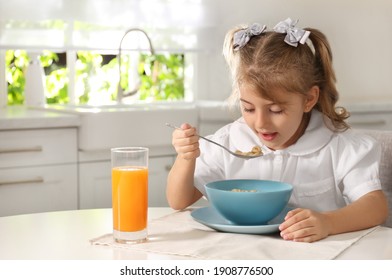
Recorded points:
(329,95)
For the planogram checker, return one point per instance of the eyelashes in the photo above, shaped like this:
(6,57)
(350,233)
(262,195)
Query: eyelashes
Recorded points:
(277,112)
(246,110)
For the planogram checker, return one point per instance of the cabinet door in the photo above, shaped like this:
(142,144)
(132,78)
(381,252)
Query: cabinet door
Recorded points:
(38,189)
(95,185)
(368,120)
(159,168)
(22,148)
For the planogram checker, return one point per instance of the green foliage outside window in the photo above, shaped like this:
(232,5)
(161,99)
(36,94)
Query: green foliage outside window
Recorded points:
(162,77)
(16,62)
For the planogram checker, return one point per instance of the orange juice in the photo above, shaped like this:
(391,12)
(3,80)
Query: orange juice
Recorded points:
(129,198)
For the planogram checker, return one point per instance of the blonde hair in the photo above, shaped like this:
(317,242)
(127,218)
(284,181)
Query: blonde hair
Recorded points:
(266,63)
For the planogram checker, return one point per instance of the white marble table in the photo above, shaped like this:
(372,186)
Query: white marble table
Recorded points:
(65,235)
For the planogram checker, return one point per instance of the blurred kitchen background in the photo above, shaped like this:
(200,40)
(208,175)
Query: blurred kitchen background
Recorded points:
(60,112)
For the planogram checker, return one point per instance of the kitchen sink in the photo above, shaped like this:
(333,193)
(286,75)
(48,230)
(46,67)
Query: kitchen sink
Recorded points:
(107,126)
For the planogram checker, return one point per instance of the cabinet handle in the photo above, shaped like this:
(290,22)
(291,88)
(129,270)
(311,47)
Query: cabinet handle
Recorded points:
(21,150)
(375,122)
(22,181)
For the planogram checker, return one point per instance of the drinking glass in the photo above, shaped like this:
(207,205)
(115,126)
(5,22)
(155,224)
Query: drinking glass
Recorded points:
(129,194)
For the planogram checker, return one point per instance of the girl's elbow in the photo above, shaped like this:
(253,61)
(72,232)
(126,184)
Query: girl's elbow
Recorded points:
(383,208)
(386,211)
(177,206)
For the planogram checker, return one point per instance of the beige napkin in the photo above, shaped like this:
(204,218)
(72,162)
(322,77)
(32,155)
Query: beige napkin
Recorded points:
(179,234)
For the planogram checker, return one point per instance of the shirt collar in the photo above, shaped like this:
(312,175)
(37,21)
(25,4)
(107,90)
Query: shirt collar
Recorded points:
(316,136)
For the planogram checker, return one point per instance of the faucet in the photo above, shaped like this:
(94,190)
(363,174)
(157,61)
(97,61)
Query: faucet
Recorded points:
(120,90)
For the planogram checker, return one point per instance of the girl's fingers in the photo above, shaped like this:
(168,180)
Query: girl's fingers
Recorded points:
(294,217)
(185,126)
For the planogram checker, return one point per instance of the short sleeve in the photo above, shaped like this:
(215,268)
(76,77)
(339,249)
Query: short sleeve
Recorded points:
(358,157)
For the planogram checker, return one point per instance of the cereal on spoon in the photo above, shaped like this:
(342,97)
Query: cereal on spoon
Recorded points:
(256,151)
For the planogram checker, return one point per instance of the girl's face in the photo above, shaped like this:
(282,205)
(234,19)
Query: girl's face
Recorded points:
(278,125)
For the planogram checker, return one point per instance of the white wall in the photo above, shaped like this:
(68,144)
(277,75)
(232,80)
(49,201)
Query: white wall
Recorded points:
(359,31)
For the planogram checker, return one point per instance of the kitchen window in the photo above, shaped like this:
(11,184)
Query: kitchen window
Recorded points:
(147,78)
(180,30)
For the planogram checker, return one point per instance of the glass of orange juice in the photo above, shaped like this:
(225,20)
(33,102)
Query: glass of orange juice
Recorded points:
(129,194)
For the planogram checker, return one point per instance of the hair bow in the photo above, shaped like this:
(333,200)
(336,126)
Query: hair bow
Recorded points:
(294,35)
(242,37)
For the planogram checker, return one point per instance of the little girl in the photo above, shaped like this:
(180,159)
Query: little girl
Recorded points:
(285,85)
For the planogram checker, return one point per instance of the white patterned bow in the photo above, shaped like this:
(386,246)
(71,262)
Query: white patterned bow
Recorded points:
(294,35)
(242,37)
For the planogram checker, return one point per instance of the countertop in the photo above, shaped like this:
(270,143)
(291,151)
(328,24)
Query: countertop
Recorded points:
(213,113)
(21,117)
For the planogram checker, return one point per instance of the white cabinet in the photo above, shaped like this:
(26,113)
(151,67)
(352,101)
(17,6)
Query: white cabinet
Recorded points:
(32,147)
(371,120)
(159,168)
(38,170)
(95,187)
(95,182)
(38,189)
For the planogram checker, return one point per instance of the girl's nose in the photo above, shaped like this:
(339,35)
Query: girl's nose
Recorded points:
(261,120)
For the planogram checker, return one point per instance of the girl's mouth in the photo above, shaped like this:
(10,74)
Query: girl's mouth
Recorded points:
(268,136)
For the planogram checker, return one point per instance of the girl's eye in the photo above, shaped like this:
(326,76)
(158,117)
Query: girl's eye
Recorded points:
(276,111)
(248,110)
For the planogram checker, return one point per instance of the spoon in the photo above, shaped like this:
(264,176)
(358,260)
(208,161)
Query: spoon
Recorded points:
(236,154)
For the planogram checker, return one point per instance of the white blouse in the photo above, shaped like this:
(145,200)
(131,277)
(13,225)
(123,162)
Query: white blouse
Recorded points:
(328,170)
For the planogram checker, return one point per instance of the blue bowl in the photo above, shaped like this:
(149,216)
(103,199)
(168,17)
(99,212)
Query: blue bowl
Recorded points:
(256,203)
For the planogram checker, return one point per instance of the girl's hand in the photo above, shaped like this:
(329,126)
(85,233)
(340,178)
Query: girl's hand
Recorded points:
(186,142)
(304,225)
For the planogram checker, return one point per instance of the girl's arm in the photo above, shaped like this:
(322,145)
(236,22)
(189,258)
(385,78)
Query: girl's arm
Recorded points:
(180,190)
(368,211)
(308,226)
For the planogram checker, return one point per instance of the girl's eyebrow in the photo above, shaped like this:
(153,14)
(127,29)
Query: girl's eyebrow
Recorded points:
(243,100)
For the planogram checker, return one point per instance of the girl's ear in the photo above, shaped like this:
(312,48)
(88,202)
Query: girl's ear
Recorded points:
(311,98)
